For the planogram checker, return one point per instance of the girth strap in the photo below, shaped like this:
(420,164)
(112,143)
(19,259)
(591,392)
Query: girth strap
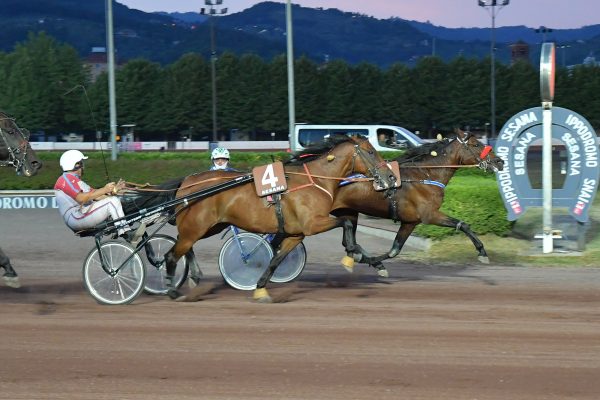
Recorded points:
(393,205)
(279,213)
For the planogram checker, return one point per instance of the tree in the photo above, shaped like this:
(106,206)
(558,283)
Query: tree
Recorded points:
(431,95)
(468,90)
(186,93)
(137,87)
(41,75)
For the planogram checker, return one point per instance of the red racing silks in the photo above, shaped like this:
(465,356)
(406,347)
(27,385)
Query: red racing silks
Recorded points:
(486,150)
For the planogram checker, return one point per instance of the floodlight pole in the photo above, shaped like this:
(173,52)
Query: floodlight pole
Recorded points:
(493,7)
(212,11)
(290,70)
(112,103)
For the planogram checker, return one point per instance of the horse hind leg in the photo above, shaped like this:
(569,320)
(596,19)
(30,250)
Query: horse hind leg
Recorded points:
(10,276)
(261,295)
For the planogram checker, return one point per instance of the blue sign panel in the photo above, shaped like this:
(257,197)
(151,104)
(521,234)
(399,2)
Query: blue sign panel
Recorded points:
(581,144)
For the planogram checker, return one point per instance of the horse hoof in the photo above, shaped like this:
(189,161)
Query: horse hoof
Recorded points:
(174,294)
(484,259)
(261,296)
(12,281)
(383,273)
(348,263)
(181,299)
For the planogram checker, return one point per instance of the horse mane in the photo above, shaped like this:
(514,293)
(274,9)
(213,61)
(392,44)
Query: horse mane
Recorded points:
(317,150)
(423,151)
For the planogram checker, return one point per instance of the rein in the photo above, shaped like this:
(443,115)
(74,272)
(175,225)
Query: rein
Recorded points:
(441,166)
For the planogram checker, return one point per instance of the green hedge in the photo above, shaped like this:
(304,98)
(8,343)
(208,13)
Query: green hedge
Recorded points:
(472,196)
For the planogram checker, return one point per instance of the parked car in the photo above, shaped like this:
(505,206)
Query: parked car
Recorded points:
(382,137)
(72,137)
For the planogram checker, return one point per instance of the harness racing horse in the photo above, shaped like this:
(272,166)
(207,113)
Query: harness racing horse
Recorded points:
(15,152)
(303,209)
(425,171)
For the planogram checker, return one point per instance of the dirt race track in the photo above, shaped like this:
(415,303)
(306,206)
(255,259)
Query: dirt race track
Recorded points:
(429,332)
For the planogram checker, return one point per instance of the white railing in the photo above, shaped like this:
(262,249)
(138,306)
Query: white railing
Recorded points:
(273,145)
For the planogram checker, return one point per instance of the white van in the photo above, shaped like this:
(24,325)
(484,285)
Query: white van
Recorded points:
(382,137)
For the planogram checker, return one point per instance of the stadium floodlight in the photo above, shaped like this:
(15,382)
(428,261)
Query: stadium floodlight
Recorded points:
(213,11)
(493,7)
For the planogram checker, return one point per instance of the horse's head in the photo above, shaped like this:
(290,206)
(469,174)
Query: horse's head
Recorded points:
(472,152)
(15,149)
(365,160)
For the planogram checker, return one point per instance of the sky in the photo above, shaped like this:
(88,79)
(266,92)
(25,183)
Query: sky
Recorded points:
(556,14)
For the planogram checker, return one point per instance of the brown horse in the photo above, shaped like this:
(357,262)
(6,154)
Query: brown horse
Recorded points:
(302,211)
(15,152)
(425,171)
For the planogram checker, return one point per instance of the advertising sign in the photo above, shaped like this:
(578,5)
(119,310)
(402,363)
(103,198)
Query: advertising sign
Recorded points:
(582,172)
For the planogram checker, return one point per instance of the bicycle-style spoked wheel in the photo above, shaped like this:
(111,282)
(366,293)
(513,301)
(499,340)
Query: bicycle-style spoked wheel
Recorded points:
(243,259)
(291,266)
(114,287)
(153,255)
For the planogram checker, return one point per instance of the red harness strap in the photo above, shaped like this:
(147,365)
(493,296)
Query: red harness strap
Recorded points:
(311,183)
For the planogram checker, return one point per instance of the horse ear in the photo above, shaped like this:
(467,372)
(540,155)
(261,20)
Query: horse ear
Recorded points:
(462,135)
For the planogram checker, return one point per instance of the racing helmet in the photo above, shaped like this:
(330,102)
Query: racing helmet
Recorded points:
(70,158)
(220,152)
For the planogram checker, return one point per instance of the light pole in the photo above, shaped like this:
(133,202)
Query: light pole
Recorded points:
(290,74)
(212,12)
(493,7)
(112,102)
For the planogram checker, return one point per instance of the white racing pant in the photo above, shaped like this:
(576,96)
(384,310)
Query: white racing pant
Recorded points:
(86,217)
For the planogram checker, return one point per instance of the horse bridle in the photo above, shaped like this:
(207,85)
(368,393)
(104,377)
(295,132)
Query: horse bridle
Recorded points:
(17,154)
(483,158)
(372,167)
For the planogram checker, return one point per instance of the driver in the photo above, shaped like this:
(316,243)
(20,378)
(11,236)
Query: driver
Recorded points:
(220,159)
(80,205)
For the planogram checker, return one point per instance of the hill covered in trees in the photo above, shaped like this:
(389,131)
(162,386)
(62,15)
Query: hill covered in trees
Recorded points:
(319,34)
(46,87)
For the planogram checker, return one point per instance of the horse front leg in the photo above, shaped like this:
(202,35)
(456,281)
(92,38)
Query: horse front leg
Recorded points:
(402,235)
(180,248)
(449,222)
(353,218)
(10,276)
(261,295)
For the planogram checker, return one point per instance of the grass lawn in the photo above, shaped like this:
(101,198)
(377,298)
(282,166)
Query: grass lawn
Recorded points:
(520,248)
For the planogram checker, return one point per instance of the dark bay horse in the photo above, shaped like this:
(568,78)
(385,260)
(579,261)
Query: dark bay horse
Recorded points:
(425,171)
(15,152)
(302,211)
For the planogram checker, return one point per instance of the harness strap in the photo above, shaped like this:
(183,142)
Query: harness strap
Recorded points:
(393,205)
(425,182)
(311,183)
(279,213)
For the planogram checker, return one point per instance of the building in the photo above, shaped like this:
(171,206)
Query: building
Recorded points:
(96,62)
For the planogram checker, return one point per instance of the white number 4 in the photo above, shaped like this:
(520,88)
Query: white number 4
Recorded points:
(269,177)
